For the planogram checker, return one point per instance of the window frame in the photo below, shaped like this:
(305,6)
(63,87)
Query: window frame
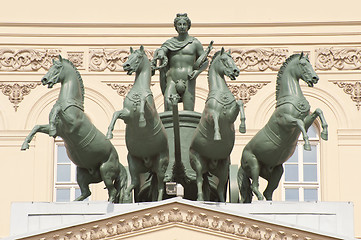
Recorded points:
(72,185)
(301,184)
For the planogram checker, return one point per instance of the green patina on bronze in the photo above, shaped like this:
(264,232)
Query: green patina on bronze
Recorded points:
(214,137)
(276,142)
(95,156)
(145,135)
(181,59)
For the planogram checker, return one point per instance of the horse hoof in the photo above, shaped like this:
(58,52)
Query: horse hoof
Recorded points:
(324,136)
(242,129)
(25,146)
(52,133)
(307,147)
(109,136)
(217,137)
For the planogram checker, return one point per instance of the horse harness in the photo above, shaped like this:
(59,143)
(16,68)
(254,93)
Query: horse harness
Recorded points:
(301,104)
(64,105)
(136,97)
(225,98)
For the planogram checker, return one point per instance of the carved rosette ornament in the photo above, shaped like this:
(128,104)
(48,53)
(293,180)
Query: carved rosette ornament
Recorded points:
(102,59)
(254,60)
(244,92)
(27,59)
(16,91)
(77,58)
(338,58)
(352,89)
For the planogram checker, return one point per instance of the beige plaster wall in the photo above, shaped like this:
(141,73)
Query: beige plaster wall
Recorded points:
(86,26)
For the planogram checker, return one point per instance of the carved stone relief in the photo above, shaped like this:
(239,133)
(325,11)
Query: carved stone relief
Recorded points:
(27,59)
(109,229)
(254,60)
(16,91)
(122,89)
(338,58)
(77,58)
(250,60)
(244,92)
(103,59)
(352,89)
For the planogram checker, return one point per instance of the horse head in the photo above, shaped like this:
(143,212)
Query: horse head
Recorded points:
(54,75)
(134,61)
(307,73)
(228,66)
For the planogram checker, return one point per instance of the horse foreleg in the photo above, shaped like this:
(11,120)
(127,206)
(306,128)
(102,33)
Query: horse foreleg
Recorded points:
(52,120)
(242,126)
(301,126)
(217,134)
(311,118)
(142,121)
(196,164)
(36,128)
(273,181)
(118,114)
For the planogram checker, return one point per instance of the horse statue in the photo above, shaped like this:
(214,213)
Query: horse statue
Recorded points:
(275,143)
(145,135)
(214,136)
(95,156)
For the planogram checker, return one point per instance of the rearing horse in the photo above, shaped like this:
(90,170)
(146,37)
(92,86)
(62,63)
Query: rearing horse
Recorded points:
(275,143)
(214,136)
(145,135)
(95,156)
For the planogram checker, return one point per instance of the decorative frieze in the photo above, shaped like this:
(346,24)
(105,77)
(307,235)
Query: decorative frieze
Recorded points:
(259,59)
(249,60)
(16,91)
(244,92)
(27,60)
(122,89)
(142,222)
(352,89)
(338,58)
(110,59)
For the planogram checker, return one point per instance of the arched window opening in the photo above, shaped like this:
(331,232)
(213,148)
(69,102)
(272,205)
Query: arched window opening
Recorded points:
(301,178)
(66,188)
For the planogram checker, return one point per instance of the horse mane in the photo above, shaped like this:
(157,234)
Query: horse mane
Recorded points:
(78,76)
(214,57)
(280,72)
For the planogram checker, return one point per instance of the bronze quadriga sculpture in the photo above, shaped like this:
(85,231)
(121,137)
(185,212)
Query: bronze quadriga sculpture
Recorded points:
(95,156)
(145,135)
(214,137)
(276,142)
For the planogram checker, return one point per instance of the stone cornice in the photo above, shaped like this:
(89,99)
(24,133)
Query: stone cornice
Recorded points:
(170,25)
(181,214)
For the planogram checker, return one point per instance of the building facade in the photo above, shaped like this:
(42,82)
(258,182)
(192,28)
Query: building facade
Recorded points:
(260,38)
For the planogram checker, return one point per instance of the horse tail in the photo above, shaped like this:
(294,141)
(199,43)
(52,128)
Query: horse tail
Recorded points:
(121,184)
(244,186)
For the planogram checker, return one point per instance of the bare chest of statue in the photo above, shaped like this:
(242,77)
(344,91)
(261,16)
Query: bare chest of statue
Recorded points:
(183,58)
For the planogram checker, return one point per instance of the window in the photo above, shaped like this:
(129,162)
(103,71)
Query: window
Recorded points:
(302,172)
(66,188)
